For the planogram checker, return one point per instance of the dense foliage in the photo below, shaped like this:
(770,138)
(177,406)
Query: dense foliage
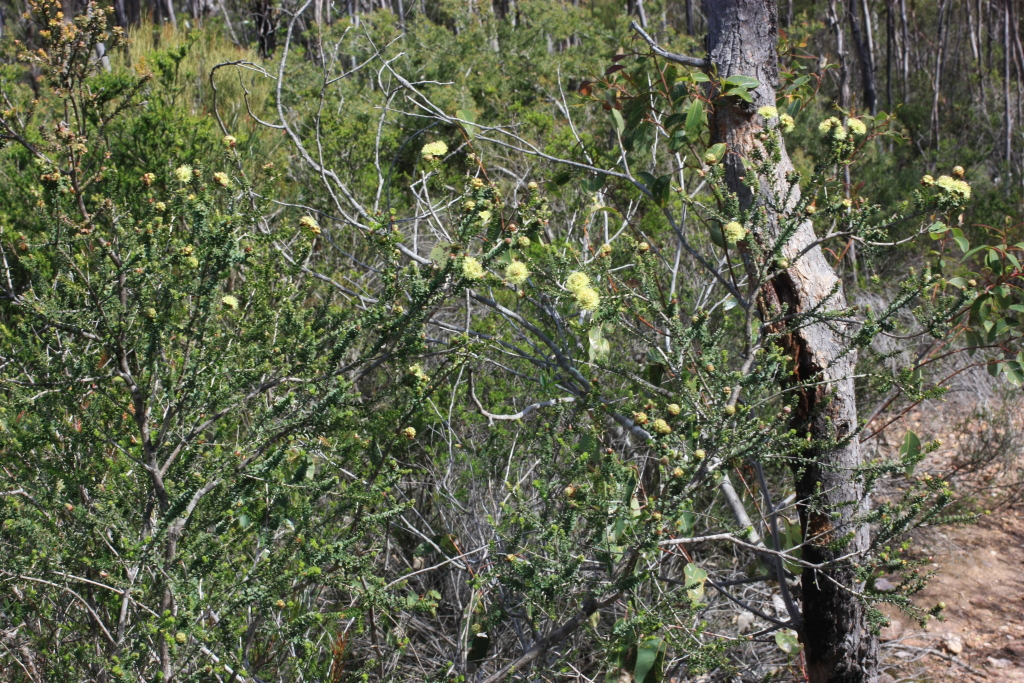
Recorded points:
(439,347)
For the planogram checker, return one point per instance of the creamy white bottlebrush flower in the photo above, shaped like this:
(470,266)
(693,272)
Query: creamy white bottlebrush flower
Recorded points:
(471,269)
(587,298)
(432,150)
(787,123)
(955,187)
(768,112)
(576,281)
(309,223)
(733,232)
(517,272)
(857,127)
(230,301)
(183,173)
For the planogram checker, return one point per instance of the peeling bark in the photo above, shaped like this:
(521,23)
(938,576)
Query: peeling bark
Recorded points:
(742,40)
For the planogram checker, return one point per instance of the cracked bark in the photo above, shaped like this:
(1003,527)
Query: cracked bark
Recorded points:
(742,37)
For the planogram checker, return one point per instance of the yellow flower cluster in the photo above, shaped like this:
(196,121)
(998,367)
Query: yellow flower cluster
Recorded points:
(787,123)
(183,173)
(733,232)
(231,302)
(588,299)
(309,223)
(586,296)
(221,179)
(832,126)
(857,127)
(432,150)
(577,281)
(661,427)
(517,272)
(471,269)
(955,187)
(768,112)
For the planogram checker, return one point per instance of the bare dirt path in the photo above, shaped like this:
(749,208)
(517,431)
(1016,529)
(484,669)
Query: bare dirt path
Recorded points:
(981,580)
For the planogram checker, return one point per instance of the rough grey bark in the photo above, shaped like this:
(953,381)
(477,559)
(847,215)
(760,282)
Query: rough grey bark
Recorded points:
(865,53)
(742,36)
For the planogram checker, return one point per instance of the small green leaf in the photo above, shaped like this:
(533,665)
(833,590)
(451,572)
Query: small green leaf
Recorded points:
(599,346)
(695,119)
(695,578)
(718,151)
(617,121)
(740,93)
(787,641)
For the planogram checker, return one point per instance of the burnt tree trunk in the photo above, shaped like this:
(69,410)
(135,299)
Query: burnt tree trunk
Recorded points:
(742,36)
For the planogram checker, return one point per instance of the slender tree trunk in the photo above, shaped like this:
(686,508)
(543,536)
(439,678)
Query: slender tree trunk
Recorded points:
(844,71)
(905,51)
(890,34)
(1007,112)
(862,41)
(940,59)
(742,38)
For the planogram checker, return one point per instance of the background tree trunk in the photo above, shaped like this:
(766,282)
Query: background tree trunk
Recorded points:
(742,37)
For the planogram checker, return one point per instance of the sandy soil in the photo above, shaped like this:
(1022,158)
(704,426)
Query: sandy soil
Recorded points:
(981,580)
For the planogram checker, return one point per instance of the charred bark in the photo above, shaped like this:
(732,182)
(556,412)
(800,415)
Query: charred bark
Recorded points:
(742,36)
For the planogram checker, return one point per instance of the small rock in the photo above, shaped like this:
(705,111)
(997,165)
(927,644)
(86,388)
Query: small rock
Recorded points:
(1014,650)
(891,632)
(744,621)
(779,604)
(884,585)
(998,662)
(953,644)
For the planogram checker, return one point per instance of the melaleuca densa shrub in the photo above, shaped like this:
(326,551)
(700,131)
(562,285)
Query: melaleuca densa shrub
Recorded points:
(664,405)
(201,431)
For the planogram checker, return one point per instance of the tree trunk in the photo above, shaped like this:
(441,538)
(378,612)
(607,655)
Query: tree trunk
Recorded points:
(742,40)
(844,72)
(865,53)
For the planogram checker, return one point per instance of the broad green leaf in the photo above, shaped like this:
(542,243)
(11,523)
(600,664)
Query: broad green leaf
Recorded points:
(617,121)
(467,115)
(718,151)
(648,656)
(695,578)
(909,451)
(716,235)
(958,282)
(695,119)
(646,178)
(740,81)
(599,346)
(439,254)
(787,641)
(685,523)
